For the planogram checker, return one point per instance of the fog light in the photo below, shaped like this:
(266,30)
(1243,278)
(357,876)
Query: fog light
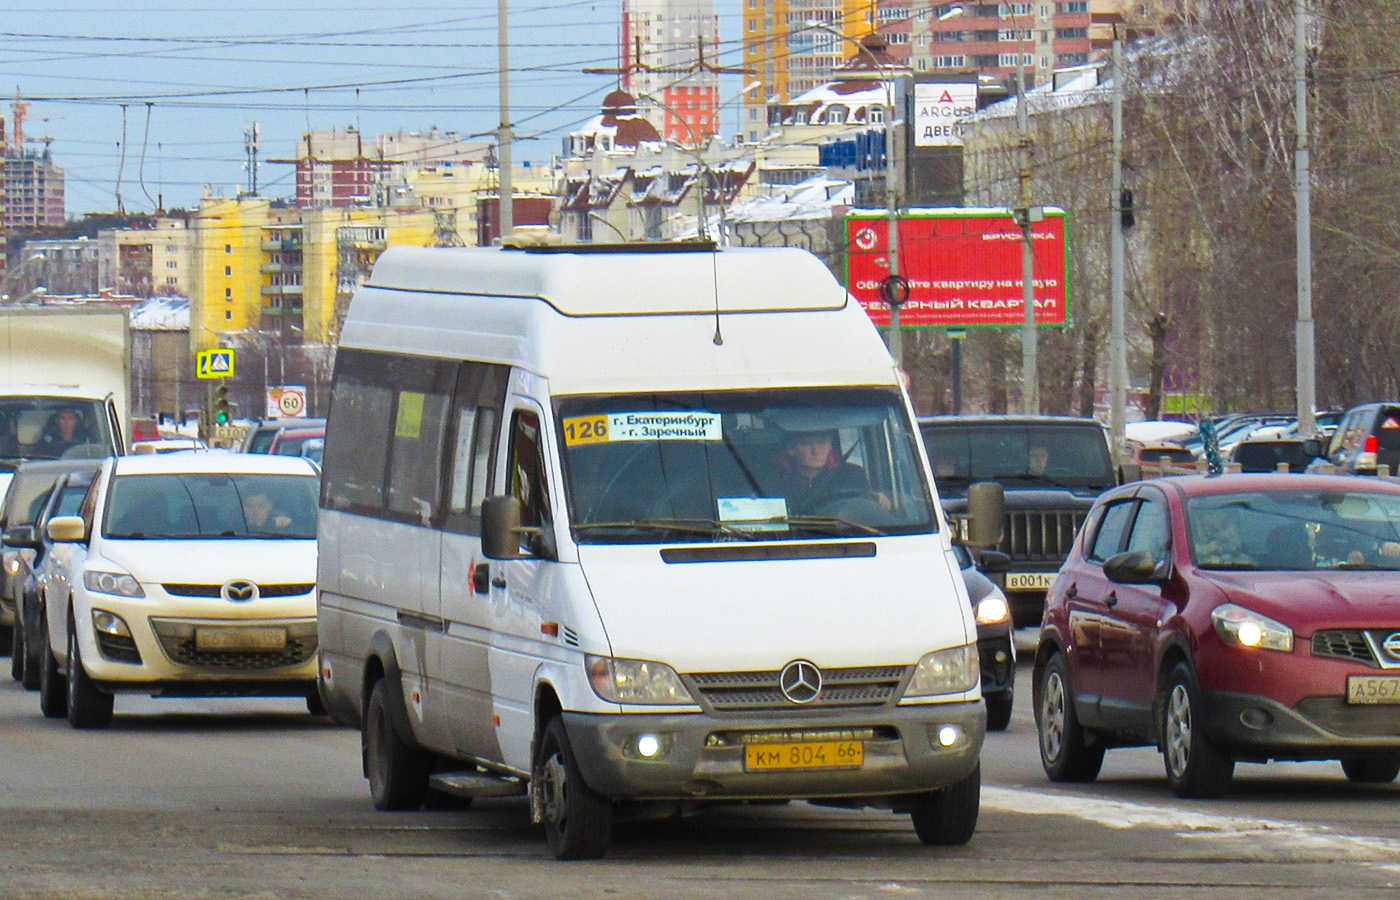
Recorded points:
(648,745)
(948,735)
(109,623)
(1255,718)
(1000,657)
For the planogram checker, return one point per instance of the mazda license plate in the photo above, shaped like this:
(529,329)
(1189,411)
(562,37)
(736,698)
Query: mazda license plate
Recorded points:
(240,638)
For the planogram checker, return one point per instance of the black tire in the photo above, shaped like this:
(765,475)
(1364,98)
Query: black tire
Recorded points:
(999,711)
(1195,767)
(89,707)
(53,687)
(314,704)
(17,653)
(33,655)
(948,818)
(1064,754)
(577,821)
(6,637)
(397,771)
(1372,770)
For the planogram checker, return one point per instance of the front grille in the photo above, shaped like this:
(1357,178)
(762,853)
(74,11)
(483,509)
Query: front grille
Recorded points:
(1334,714)
(212,590)
(736,691)
(1040,535)
(177,640)
(1347,643)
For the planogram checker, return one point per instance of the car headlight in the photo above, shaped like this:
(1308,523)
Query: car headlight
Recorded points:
(1246,628)
(950,671)
(112,583)
(992,609)
(636,681)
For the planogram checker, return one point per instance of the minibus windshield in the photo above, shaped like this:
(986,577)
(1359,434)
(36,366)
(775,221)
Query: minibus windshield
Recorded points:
(777,464)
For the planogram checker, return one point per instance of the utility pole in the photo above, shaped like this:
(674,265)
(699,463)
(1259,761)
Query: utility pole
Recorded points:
(1117,339)
(1026,216)
(505,195)
(1304,350)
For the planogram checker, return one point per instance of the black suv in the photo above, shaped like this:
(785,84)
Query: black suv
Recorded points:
(1367,437)
(1051,468)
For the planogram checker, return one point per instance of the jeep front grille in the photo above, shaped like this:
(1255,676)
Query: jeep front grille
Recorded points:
(1040,535)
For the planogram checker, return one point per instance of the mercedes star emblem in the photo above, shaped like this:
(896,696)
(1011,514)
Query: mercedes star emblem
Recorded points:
(800,681)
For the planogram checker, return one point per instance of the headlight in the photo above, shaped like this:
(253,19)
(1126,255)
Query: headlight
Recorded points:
(636,681)
(1246,628)
(950,671)
(112,583)
(992,609)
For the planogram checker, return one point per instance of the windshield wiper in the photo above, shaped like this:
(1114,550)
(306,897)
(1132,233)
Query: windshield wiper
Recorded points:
(688,526)
(829,523)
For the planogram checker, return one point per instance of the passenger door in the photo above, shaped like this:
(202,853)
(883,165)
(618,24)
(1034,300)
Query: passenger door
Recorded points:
(461,658)
(1128,629)
(1087,599)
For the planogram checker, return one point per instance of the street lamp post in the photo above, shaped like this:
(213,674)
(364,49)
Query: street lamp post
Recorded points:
(1030,377)
(894,290)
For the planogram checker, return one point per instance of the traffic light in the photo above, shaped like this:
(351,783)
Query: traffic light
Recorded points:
(221,410)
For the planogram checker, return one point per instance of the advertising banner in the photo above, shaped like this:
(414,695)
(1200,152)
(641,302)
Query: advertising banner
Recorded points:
(962,266)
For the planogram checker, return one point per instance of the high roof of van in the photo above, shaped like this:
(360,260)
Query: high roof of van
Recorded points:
(623,319)
(580,281)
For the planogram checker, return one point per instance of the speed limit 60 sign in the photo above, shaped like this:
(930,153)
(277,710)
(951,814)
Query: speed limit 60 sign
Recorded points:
(286,402)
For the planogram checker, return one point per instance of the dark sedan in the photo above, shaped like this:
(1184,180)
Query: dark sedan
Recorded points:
(1225,619)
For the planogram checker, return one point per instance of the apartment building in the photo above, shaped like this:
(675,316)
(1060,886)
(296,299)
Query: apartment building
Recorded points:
(344,167)
(31,190)
(146,262)
(670,52)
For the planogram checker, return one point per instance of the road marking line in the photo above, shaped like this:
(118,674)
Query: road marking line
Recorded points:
(1296,836)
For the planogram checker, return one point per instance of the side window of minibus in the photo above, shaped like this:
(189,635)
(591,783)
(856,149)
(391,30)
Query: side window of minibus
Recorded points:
(476,415)
(526,470)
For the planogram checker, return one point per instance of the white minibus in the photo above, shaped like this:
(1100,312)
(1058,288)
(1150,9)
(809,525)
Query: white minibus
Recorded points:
(634,530)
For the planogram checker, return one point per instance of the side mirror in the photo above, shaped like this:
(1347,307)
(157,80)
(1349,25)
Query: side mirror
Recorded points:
(986,510)
(1133,567)
(67,529)
(501,531)
(1313,447)
(993,562)
(1129,472)
(21,536)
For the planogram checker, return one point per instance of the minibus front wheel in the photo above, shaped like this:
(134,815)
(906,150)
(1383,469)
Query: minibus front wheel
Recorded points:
(577,820)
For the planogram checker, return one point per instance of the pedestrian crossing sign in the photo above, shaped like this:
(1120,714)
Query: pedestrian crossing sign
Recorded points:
(217,363)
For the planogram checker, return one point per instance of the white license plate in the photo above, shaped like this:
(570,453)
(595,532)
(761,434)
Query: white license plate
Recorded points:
(1029,581)
(240,638)
(1373,689)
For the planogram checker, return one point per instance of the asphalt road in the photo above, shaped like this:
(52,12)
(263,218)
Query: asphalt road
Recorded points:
(255,799)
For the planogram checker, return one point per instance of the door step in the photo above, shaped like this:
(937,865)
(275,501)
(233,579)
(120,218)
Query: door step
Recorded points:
(477,784)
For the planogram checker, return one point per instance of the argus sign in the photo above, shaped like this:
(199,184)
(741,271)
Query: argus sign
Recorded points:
(963,267)
(939,110)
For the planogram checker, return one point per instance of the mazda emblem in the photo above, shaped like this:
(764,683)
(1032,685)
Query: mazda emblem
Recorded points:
(1391,645)
(239,591)
(800,681)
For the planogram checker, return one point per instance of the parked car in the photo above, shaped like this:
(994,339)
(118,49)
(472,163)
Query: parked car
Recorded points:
(996,644)
(291,441)
(1266,454)
(261,435)
(24,498)
(185,574)
(1153,458)
(1367,437)
(65,498)
(1225,619)
(168,445)
(1051,468)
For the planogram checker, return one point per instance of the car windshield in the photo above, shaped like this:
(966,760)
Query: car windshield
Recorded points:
(212,505)
(742,465)
(44,427)
(1295,530)
(1019,456)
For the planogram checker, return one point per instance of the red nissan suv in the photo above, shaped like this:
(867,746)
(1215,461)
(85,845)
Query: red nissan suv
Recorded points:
(1224,619)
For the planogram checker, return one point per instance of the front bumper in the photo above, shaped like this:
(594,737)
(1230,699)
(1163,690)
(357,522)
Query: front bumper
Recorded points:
(703,756)
(1319,727)
(996,650)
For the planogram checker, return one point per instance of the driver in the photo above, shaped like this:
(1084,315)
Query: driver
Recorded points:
(65,431)
(810,473)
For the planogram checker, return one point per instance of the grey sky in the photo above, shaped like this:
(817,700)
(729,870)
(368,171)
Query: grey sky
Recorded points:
(192,76)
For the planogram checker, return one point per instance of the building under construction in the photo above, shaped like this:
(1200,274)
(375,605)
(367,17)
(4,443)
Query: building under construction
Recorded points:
(31,186)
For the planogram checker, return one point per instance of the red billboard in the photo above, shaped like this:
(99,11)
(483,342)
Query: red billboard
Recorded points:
(963,267)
